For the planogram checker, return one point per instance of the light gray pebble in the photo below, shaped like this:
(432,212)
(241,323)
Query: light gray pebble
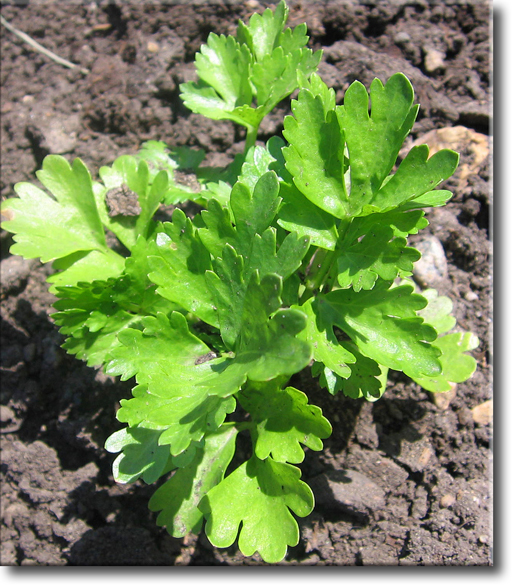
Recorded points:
(434,60)
(56,134)
(401,38)
(432,268)
(6,414)
(471,296)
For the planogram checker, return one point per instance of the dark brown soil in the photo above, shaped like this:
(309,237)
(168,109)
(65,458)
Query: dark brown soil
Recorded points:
(419,467)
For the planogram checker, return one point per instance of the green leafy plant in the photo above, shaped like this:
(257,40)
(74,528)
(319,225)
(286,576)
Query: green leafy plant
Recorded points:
(299,260)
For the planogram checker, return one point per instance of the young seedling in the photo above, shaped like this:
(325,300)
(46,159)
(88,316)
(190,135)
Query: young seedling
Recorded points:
(299,260)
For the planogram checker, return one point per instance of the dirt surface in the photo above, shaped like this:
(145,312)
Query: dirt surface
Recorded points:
(403,481)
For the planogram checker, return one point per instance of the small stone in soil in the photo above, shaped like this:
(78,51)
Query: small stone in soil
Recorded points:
(431,269)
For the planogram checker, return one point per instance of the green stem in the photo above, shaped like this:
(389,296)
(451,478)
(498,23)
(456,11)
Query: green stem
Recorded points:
(251,137)
(321,263)
(324,266)
(240,425)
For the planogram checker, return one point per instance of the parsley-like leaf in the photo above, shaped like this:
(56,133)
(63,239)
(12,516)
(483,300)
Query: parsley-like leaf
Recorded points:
(276,76)
(92,314)
(259,495)
(325,346)
(315,155)
(185,405)
(284,420)
(178,261)
(178,499)
(224,91)
(377,254)
(262,33)
(367,378)
(64,227)
(384,325)
(457,367)
(438,311)
(126,171)
(141,455)
(55,227)
(374,139)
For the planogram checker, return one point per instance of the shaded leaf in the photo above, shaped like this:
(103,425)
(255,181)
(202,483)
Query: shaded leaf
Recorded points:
(178,499)
(178,261)
(284,420)
(141,455)
(258,498)
(384,325)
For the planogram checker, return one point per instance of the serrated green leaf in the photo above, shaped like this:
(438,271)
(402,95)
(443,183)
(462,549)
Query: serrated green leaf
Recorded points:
(264,346)
(384,325)
(315,157)
(227,289)
(55,227)
(257,162)
(141,455)
(317,87)
(283,261)
(157,155)
(178,499)
(220,191)
(294,39)
(298,214)
(203,99)
(258,495)
(374,140)
(231,278)
(178,261)
(92,346)
(224,90)
(223,64)
(253,211)
(325,346)
(262,33)
(269,346)
(457,366)
(284,420)
(92,314)
(165,343)
(177,391)
(126,169)
(75,308)
(181,409)
(197,397)
(218,230)
(247,247)
(377,254)
(402,222)
(431,199)
(437,312)
(85,267)
(276,76)
(417,174)
(367,378)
